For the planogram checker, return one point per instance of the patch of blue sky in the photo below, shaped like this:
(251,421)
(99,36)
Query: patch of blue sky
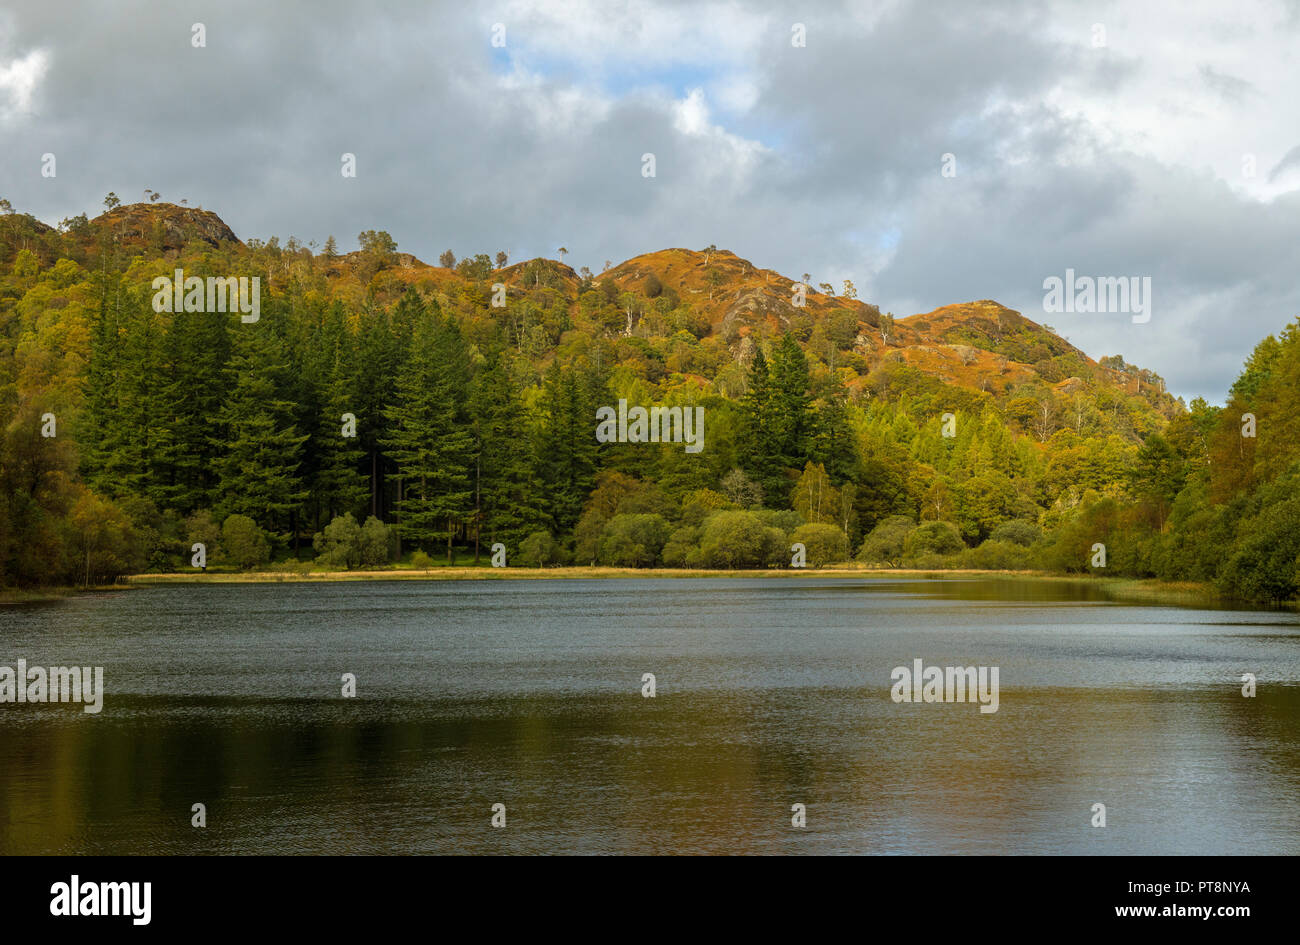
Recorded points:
(614,76)
(621,79)
(889,239)
(874,240)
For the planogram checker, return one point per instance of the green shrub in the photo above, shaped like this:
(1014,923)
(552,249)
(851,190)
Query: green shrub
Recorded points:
(1018,532)
(681,545)
(787,520)
(376,543)
(1070,546)
(997,555)
(933,538)
(884,545)
(339,545)
(201,527)
(824,544)
(540,550)
(740,540)
(245,544)
(633,541)
(587,535)
(932,562)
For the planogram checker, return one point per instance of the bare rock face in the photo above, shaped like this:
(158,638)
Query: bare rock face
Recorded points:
(36,225)
(965,353)
(750,306)
(179,225)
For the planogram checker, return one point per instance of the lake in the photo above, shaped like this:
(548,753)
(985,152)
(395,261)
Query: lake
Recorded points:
(769,693)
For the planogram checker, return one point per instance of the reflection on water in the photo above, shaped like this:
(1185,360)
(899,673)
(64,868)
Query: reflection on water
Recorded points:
(770,693)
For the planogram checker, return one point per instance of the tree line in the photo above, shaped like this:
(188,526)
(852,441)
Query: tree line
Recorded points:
(369,418)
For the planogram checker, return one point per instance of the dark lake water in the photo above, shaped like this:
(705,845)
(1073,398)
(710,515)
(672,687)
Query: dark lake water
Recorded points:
(769,693)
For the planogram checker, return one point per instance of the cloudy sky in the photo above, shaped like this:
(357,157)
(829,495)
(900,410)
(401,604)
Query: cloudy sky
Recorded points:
(1114,139)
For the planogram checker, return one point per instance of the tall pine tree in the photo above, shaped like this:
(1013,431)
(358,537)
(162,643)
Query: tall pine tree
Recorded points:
(339,482)
(760,451)
(199,349)
(567,443)
(508,489)
(259,471)
(428,437)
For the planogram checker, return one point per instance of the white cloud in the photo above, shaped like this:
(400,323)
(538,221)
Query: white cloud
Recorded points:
(599,36)
(1207,87)
(692,114)
(18,81)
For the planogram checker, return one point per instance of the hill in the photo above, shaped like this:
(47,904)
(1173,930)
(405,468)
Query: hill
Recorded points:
(970,434)
(978,346)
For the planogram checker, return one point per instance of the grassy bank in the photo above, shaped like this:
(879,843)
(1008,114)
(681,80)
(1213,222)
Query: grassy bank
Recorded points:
(35,595)
(490,574)
(1152,591)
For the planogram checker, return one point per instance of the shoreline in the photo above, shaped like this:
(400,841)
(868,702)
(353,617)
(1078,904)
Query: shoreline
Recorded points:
(1116,589)
(526,574)
(41,595)
(1113,589)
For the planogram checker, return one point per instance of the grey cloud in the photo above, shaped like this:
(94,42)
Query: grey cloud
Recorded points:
(1290,161)
(1230,87)
(253,127)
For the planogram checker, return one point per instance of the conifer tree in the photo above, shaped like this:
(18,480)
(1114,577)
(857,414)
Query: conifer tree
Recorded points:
(428,438)
(567,443)
(508,489)
(259,471)
(145,452)
(791,404)
(375,379)
(834,446)
(198,349)
(99,388)
(761,457)
(339,486)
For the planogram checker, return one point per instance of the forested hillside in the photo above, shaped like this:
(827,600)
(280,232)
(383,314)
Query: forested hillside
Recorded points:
(381,410)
